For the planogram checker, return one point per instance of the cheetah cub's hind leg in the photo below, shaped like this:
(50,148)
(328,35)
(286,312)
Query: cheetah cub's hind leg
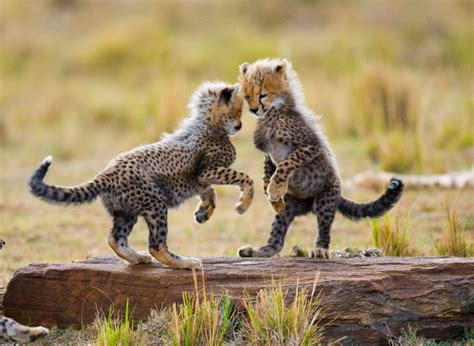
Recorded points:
(118,240)
(324,207)
(157,222)
(206,207)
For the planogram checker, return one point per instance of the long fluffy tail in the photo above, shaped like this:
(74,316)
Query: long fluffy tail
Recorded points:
(380,206)
(84,193)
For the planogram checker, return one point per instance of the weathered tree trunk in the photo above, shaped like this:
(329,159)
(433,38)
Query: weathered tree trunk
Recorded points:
(364,300)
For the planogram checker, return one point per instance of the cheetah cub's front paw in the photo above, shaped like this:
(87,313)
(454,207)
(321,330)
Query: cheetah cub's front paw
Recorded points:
(242,207)
(278,206)
(320,252)
(245,202)
(276,191)
(203,213)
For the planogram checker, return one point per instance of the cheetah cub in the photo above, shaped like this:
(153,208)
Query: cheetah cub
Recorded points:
(10,330)
(150,179)
(300,170)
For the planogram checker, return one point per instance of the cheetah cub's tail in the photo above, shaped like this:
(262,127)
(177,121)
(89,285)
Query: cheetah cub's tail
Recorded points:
(380,206)
(84,193)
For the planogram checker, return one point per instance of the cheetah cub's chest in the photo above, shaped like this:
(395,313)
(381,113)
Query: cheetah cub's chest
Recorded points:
(277,150)
(266,141)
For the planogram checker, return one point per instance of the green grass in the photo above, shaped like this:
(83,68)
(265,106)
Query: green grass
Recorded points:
(115,330)
(280,317)
(200,319)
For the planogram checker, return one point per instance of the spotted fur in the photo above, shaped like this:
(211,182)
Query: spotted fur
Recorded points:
(300,170)
(12,331)
(150,179)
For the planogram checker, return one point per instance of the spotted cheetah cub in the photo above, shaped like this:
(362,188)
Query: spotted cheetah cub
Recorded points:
(150,179)
(10,330)
(300,171)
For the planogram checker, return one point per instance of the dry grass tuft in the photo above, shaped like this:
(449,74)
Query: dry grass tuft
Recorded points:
(272,320)
(453,241)
(385,100)
(200,320)
(410,337)
(392,237)
(386,113)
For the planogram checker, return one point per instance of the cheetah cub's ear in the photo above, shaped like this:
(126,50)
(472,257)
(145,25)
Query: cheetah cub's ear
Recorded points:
(244,68)
(226,95)
(280,68)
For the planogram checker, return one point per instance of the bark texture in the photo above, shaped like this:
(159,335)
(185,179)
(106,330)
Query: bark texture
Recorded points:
(363,300)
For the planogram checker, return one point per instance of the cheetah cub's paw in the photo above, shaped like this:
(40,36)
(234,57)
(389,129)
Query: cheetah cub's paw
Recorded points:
(278,206)
(242,207)
(143,258)
(245,251)
(276,191)
(245,201)
(320,252)
(203,213)
(191,263)
(138,258)
(37,332)
(250,251)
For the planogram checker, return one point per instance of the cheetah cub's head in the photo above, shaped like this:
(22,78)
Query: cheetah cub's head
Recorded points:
(267,83)
(220,104)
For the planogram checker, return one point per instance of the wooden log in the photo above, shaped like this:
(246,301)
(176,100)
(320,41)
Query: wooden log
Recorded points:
(363,300)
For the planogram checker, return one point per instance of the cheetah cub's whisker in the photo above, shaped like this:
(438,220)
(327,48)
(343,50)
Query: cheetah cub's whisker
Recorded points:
(300,170)
(148,180)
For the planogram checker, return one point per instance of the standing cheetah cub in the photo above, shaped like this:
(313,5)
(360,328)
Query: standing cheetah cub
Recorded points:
(150,179)
(300,171)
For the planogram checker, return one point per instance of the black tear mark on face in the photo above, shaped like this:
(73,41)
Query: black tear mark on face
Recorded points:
(226,95)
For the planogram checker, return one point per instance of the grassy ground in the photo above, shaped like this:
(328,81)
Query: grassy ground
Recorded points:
(393,82)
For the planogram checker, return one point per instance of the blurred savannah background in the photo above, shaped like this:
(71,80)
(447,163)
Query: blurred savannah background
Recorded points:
(86,80)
